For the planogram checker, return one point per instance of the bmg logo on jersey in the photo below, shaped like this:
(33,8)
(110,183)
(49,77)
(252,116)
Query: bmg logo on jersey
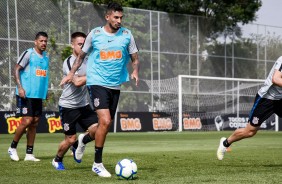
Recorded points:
(110,55)
(40,73)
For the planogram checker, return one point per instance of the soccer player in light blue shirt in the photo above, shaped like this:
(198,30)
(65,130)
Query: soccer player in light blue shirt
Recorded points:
(31,77)
(109,47)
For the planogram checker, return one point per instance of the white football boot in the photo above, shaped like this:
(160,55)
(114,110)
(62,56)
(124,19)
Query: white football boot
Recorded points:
(99,169)
(80,149)
(13,154)
(31,157)
(221,149)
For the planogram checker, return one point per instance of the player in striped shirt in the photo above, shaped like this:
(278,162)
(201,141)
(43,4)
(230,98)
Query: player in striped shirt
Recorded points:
(267,102)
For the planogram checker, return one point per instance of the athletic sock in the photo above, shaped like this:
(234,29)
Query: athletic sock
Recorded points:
(58,159)
(225,143)
(98,154)
(29,149)
(14,144)
(86,139)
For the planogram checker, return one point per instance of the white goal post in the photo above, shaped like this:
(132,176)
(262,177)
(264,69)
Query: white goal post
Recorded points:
(216,95)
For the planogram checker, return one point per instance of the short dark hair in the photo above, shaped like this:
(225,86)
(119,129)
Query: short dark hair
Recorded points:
(113,6)
(41,33)
(77,34)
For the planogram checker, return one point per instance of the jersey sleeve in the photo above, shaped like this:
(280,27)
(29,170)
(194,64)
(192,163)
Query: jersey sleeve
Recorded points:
(65,68)
(24,58)
(132,47)
(278,64)
(87,43)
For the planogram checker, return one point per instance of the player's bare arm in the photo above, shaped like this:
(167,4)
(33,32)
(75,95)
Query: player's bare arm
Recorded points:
(18,81)
(79,80)
(77,63)
(135,66)
(277,78)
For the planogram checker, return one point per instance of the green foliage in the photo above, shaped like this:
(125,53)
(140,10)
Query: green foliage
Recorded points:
(163,157)
(66,52)
(223,13)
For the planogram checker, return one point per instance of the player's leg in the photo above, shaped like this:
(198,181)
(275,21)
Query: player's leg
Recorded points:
(106,110)
(103,100)
(88,121)
(35,110)
(83,139)
(69,118)
(12,151)
(64,146)
(262,109)
(22,111)
(30,135)
(100,137)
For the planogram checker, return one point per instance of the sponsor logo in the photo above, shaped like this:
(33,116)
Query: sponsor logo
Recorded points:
(192,123)
(238,122)
(110,55)
(54,124)
(129,124)
(218,121)
(162,124)
(13,123)
(241,122)
(272,123)
(40,73)
(123,115)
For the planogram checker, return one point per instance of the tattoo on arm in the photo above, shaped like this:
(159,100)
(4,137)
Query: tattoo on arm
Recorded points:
(78,61)
(17,75)
(135,61)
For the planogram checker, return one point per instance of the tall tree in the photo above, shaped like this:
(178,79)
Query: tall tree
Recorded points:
(223,13)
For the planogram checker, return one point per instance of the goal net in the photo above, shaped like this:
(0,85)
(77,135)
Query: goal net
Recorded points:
(208,103)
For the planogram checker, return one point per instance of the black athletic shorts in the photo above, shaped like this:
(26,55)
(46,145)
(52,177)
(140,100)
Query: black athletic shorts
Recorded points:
(104,98)
(28,107)
(84,116)
(262,109)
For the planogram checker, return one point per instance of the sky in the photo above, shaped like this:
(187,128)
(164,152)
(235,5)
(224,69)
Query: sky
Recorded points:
(270,13)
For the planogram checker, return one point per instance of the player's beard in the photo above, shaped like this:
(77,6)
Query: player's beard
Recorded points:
(114,28)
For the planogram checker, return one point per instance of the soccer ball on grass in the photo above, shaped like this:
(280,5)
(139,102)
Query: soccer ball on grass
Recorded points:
(126,169)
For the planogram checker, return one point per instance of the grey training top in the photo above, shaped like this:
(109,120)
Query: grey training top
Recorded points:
(270,90)
(72,96)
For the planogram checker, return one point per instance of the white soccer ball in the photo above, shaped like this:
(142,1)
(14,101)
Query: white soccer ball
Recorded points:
(126,169)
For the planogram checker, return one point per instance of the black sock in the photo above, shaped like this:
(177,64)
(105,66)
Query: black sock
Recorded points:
(98,154)
(29,149)
(58,159)
(75,144)
(86,139)
(226,144)
(14,144)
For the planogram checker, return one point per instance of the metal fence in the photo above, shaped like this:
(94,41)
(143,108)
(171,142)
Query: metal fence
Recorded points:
(170,45)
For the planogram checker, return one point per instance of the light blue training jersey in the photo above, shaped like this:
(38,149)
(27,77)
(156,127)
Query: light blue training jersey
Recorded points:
(107,62)
(34,76)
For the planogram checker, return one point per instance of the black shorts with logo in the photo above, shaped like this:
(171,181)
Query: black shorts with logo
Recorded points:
(28,107)
(84,116)
(262,109)
(104,98)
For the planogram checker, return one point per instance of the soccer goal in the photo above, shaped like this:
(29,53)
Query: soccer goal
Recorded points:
(217,103)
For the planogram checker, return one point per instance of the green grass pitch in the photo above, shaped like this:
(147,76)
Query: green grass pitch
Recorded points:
(162,157)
